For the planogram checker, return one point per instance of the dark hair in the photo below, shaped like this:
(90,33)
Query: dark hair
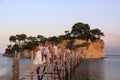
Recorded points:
(37,44)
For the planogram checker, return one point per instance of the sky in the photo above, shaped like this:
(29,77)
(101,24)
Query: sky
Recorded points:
(53,17)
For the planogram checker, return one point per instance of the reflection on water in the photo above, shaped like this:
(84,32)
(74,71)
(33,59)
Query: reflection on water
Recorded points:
(104,69)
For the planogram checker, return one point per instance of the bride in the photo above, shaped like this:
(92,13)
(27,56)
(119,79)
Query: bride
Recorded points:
(38,55)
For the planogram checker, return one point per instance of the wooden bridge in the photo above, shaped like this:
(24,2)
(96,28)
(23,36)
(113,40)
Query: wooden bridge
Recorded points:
(57,69)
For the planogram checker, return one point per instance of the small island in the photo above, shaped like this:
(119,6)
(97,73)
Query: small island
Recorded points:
(81,38)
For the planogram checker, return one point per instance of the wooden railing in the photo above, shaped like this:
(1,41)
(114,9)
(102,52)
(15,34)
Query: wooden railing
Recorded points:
(15,66)
(63,70)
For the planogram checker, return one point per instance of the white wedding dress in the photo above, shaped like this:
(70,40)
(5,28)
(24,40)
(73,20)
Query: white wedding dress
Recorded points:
(38,58)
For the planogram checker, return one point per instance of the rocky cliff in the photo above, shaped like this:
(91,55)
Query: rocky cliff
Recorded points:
(88,49)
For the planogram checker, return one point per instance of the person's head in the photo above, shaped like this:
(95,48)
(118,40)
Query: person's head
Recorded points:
(46,44)
(50,45)
(39,44)
(54,44)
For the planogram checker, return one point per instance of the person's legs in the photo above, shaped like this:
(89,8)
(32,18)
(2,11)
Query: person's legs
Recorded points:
(38,73)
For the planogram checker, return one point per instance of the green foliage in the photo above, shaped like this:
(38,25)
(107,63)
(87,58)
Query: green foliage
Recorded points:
(53,39)
(67,32)
(8,51)
(92,38)
(79,29)
(31,39)
(30,45)
(13,38)
(61,38)
(96,32)
(21,38)
(82,31)
(15,47)
(9,46)
(41,38)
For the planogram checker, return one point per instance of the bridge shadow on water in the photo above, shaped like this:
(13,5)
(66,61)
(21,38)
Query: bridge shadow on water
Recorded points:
(89,70)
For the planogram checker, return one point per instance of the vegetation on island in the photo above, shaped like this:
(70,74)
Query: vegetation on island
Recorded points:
(20,42)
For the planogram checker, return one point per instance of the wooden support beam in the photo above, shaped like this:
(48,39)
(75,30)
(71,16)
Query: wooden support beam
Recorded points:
(32,65)
(15,66)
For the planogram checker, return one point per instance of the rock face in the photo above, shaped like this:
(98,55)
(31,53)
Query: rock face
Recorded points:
(94,50)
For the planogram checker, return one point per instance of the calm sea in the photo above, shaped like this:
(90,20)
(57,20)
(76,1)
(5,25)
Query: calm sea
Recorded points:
(102,69)
(6,64)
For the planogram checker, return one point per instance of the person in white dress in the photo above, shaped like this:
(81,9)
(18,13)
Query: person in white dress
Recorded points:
(38,55)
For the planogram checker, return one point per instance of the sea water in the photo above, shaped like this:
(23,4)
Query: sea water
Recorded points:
(101,69)
(6,64)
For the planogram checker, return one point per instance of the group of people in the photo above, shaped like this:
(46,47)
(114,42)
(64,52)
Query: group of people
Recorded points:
(49,52)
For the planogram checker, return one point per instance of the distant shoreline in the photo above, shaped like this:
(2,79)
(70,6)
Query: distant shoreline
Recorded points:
(112,55)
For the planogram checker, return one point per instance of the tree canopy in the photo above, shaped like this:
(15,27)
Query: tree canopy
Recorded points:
(79,31)
(83,31)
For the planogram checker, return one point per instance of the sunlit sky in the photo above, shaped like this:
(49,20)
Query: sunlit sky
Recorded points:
(53,17)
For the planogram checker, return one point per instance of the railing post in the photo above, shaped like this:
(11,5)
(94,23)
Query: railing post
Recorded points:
(69,71)
(15,66)
(32,65)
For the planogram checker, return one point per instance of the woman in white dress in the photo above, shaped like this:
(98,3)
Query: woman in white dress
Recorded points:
(38,55)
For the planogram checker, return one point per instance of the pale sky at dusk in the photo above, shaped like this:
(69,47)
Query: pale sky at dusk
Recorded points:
(53,17)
